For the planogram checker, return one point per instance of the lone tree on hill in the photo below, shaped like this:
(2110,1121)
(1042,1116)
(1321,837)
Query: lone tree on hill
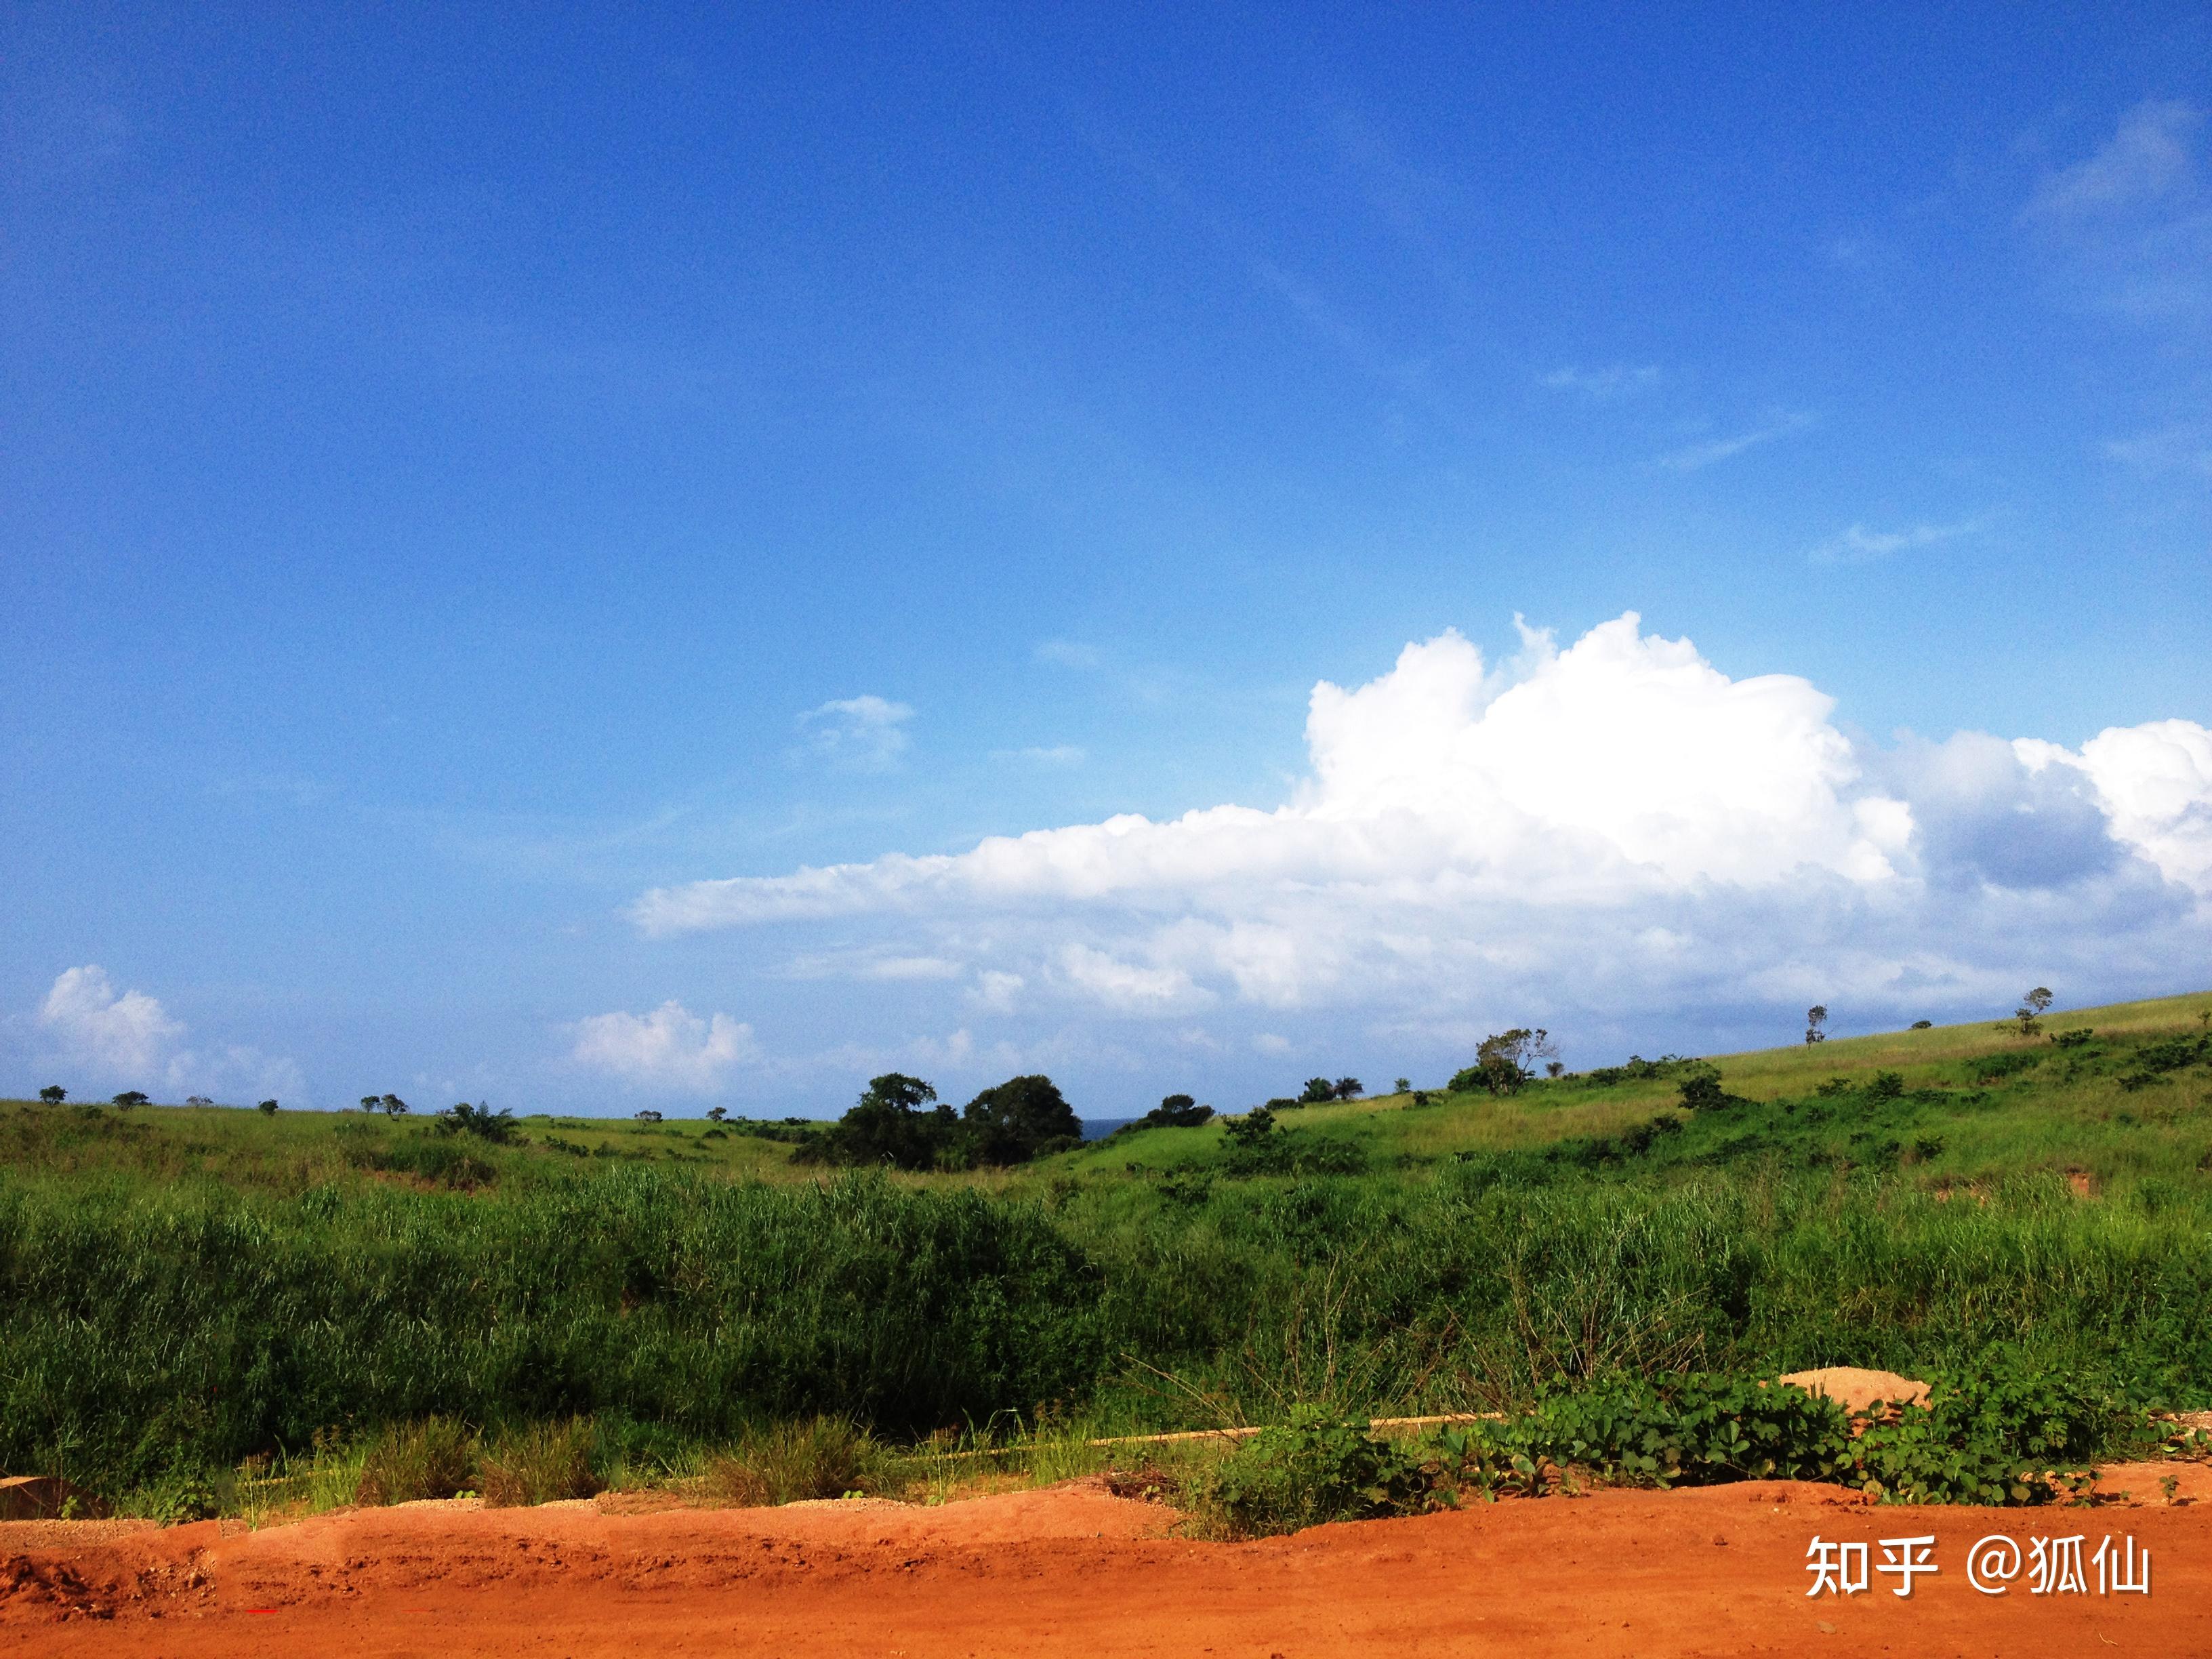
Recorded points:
(53,1094)
(1506,1060)
(269,1108)
(393,1106)
(2030,1012)
(1349,1088)
(718,1113)
(1816,1017)
(1404,1086)
(1020,1118)
(131,1097)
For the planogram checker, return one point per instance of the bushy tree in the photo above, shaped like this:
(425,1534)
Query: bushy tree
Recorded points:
(269,1108)
(1348,1088)
(1554,1067)
(1403,1085)
(1176,1112)
(2031,1010)
(1249,1130)
(131,1097)
(372,1103)
(1016,1121)
(393,1106)
(648,1116)
(1816,1017)
(197,1100)
(53,1094)
(716,1113)
(888,1124)
(1317,1089)
(1505,1062)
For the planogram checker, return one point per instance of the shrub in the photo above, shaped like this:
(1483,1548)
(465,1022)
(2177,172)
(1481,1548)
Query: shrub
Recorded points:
(1251,1129)
(822,1457)
(541,1465)
(2075,1038)
(1505,1062)
(408,1461)
(1313,1469)
(1701,1091)
(1885,1085)
(1176,1112)
(267,1108)
(1318,1091)
(1922,1025)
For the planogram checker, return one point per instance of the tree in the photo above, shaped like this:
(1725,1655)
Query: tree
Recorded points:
(1251,1129)
(2030,1012)
(131,1097)
(1349,1088)
(1506,1060)
(1016,1121)
(393,1106)
(53,1094)
(1403,1085)
(197,1100)
(648,1116)
(499,1127)
(1816,1017)
(1176,1112)
(1554,1067)
(1317,1089)
(370,1103)
(269,1108)
(718,1113)
(888,1125)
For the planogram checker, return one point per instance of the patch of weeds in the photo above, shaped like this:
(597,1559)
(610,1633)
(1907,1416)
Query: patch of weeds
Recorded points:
(541,1465)
(410,1461)
(1313,1468)
(822,1457)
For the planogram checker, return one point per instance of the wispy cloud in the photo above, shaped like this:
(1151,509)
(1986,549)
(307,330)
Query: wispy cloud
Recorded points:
(1603,385)
(2146,160)
(1067,653)
(2184,448)
(1059,754)
(2131,222)
(1695,456)
(859,734)
(1860,545)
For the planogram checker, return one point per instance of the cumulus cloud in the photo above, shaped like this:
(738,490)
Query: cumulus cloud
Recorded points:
(124,1032)
(128,1037)
(1615,822)
(866,733)
(671,1048)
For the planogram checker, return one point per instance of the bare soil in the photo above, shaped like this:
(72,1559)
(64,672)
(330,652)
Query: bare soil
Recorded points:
(1074,1570)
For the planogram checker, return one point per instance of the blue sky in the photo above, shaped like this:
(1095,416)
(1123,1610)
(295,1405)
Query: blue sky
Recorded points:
(465,476)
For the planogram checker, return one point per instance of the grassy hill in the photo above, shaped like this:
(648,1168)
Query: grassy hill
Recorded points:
(182,1289)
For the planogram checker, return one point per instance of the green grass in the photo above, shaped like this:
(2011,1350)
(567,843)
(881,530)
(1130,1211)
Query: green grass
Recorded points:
(207,1307)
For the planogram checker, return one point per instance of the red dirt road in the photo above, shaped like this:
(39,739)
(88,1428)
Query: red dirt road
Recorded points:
(1076,1571)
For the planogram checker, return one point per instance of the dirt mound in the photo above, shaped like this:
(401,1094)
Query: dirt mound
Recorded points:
(1076,1571)
(1855,1389)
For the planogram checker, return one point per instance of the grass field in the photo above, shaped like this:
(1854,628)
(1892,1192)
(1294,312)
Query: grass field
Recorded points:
(190,1293)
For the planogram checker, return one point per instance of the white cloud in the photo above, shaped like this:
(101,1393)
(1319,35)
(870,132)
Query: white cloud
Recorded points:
(2181,448)
(1604,386)
(860,734)
(670,1048)
(1695,456)
(1612,824)
(127,1038)
(118,1032)
(1860,545)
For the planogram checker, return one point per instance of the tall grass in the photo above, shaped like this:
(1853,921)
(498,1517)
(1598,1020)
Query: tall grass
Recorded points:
(146,1328)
